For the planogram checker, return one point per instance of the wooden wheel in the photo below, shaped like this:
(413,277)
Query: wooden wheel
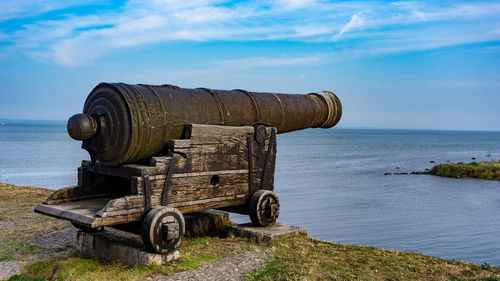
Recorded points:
(264,208)
(162,229)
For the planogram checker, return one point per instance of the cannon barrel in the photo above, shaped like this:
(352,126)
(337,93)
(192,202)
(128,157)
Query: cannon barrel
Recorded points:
(124,123)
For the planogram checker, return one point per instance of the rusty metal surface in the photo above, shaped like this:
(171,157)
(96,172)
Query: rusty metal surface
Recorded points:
(136,121)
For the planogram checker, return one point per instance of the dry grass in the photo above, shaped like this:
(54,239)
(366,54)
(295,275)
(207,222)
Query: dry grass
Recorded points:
(19,223)
(304,258)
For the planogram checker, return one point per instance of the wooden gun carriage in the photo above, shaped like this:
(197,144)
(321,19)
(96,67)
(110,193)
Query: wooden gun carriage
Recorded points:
(198,166)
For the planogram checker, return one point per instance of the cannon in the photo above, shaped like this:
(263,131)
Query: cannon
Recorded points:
(158,153)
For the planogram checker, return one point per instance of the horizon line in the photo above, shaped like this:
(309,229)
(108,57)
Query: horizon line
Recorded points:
(63,122)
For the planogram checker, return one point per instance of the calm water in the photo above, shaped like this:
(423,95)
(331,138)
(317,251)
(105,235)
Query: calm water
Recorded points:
(332,183)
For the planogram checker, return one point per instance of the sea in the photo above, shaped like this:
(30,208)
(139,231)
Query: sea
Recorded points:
(332,182)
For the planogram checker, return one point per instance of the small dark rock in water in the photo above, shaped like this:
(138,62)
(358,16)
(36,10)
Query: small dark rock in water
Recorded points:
(447,161)
(401,173)
(426,169)
(473,158)
(387,174)
(397,168)
(432,161)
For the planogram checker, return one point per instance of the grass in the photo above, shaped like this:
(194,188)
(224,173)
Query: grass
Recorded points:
(18,222)
(195,252)
(295,257)
(304,258)
(488,170)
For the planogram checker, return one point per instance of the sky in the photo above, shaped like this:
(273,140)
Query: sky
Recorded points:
(393,64)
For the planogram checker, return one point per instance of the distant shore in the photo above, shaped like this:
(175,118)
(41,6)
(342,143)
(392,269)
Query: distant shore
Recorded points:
(486,170)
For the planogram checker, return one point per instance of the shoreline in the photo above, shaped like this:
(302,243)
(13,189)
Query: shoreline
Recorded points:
(484,170)
(291,257)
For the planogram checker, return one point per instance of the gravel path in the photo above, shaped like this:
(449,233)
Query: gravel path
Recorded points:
(233,268)
(52,240)
(9,268)
(56,239)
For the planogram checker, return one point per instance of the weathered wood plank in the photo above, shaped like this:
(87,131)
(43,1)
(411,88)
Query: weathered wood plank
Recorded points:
(136,206)
(137,185)
(116,220)
(197,185)
(126,171)
(260,153)
(211,205)
(161,163)
(228,153)
(180,194)
(126,203)
(82,212)
(75,193)
(209,162)
(209,173)
(160,160)
(180,143)
(201,131)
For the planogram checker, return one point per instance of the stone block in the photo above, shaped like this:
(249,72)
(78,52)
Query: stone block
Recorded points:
(115,245)
(210,222)
(258,234)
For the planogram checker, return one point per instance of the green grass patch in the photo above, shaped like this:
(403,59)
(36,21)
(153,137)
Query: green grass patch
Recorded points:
(13,249)
(489,170)
(6,257)
(303,258)
(194,253)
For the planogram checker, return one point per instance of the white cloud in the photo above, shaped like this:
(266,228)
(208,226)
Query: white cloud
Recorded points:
(312,30)
(295,4)
(370,27)
(355,22)
(11,9)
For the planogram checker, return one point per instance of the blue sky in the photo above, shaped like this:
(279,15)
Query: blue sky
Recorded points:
(401,64)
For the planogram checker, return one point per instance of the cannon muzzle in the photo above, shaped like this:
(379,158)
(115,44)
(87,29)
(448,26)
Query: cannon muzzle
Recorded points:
(124,123)
(82,126)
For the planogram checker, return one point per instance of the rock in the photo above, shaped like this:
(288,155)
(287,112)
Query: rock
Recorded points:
(115,245)
(266,233)
(432,161)
(387,174)
(10,268)
(56,239)
(209,222)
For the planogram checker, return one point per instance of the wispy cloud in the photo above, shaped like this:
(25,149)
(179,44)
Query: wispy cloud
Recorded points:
(370,27)
(12,9)
(355,22)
